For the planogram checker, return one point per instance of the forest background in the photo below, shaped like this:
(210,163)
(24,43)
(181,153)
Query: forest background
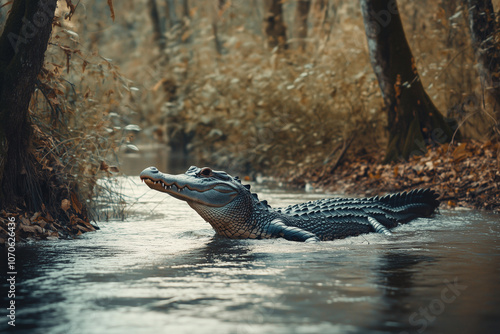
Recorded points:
(203,78)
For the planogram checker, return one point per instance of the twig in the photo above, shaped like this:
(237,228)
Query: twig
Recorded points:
(347,144)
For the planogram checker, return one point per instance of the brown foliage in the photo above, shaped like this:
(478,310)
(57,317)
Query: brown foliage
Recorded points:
(465,174)
(75,129)
(258,109)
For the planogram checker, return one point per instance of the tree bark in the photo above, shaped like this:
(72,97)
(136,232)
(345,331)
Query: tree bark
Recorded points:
(413,120)
(301,15)
(274,24)
(483,28)
(22,47)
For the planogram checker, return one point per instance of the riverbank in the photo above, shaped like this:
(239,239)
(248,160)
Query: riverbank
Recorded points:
(40,226)
(464,174)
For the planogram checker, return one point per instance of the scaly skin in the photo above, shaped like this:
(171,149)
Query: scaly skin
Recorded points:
(234,212)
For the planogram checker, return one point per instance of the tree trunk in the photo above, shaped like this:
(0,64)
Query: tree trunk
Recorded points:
(215,15)
(413,120)
(172,18)
(320,14)
(256,8)
(186,18)
(22,48)
(218,44)
(483,28)
(185,8)
(274,24)
(158,37)
(301,15)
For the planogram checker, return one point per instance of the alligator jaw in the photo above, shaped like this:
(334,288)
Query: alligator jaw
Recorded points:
(171,189)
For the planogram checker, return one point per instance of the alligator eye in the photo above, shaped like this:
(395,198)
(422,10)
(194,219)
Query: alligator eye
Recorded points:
(206,172)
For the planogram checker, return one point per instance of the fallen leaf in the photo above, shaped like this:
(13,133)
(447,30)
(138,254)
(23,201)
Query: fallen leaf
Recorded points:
(76,203)
(65,204)
(459,153)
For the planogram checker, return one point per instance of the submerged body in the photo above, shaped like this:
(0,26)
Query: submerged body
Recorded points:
(234,212)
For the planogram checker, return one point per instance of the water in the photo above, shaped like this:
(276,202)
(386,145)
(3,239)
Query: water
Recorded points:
(162,270)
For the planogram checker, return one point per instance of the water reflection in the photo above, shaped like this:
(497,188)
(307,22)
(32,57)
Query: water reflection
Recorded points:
(167,273)
(396,271)
(159,155)
(226,251)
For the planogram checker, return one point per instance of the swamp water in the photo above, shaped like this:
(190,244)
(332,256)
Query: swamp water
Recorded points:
(162,270)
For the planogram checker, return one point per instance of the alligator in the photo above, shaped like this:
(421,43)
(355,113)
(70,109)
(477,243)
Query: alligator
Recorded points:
(237,213)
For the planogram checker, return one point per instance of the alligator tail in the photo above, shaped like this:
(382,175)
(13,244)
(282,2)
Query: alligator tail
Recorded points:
(406,206)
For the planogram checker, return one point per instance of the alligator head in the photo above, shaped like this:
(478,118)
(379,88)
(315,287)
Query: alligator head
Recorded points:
(217,196)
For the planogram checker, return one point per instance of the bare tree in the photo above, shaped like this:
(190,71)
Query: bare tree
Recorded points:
(186,18)
(185,8)
(216,11)
(301,15)
(320,14)
(274,24)
(22,48)
(413,120)
(172,19)
(218,44)
(158,36)
(483,28)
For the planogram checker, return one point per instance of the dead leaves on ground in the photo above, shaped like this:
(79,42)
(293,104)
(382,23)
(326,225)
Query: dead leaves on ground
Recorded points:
(41,225)
(465,174)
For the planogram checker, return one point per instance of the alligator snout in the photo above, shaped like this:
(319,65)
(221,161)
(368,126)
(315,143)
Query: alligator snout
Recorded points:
(151,169)
(150,172)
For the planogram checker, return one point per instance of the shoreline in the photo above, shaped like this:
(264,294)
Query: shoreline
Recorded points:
(465,175)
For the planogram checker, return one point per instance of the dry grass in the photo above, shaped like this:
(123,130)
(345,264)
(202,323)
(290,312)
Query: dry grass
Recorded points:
(78,120)
(256,109)
(252,108)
